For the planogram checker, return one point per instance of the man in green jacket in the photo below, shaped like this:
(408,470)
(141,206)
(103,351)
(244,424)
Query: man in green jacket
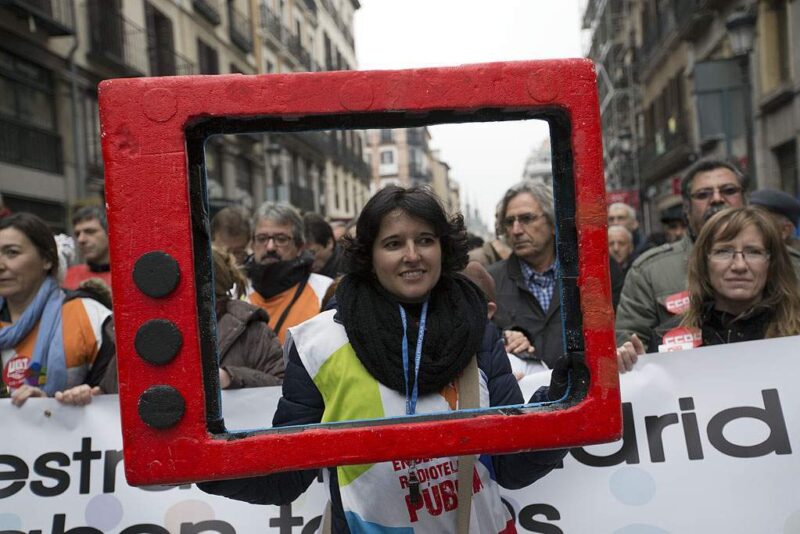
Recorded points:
(655,286)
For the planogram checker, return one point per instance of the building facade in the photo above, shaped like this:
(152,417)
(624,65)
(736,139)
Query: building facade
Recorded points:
(404,157)
(53,53)
(690,87)
(539,165)
(400,156)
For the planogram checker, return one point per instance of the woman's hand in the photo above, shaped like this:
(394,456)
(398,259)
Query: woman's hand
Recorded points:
(20,395)
(79,395)
(224,379)
(629,353)
(516,342)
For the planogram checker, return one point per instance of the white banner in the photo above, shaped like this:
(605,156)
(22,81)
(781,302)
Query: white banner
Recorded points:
(710,446)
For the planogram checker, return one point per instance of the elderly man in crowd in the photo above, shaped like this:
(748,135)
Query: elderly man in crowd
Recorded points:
(526,282)
(282,281)
(621,214)
(620,245)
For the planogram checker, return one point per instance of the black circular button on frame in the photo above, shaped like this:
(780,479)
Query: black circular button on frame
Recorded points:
(161,407)
(158,341)
(156,274)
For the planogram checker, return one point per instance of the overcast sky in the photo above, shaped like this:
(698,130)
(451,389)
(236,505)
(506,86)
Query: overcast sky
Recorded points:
(485,158)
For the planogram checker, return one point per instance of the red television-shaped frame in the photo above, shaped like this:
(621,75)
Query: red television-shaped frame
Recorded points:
(153,132)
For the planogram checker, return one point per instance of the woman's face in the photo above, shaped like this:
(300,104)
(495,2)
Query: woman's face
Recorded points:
(739,281)
(407,256)
(22,268)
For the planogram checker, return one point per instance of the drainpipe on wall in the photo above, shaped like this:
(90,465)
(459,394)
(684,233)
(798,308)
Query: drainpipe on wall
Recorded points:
(77,130)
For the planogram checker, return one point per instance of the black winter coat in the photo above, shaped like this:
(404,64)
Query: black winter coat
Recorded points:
(719,328)
(518,309)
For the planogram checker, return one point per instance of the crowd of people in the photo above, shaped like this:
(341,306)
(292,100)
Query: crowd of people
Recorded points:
(401,305)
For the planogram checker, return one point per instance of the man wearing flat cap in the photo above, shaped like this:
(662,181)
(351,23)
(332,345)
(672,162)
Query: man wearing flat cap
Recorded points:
(674,223)
(784,209)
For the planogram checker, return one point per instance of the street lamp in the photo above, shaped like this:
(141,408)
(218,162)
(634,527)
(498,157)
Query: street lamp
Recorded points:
(625,141)
(741,26)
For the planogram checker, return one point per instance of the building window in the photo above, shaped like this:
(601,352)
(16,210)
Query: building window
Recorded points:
(244,174)
(388,162)
(160,42)
(244,182)
(786,157)
(207,58)
(28,129)
(336,197)
(213,162)
(775,50)
(416,163)
(664,119)
(91,121)
(328,52)
(386,137)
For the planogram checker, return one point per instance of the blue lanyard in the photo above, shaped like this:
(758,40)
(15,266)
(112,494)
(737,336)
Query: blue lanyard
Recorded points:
(411,400)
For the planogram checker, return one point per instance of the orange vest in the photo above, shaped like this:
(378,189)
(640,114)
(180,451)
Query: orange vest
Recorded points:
(305,307)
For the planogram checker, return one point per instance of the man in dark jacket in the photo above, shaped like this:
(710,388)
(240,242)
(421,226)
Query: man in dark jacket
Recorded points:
(527,282)
(322,246)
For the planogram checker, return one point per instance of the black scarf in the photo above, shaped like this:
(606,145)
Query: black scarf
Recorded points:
(98,267)
(721,327)
(276,277)
(454,333)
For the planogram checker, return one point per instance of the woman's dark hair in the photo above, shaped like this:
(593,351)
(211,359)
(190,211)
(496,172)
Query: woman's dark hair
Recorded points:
(39,234)
(417,202)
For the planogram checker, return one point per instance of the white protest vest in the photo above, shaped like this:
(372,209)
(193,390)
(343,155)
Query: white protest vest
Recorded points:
(375,497)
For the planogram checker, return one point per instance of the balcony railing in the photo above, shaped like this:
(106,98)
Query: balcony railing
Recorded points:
(22,144)
(295,46)
(209,9)
(270,22)
(240,30)
(337,19)
(52,16)
(684,18)
(117,41)
(165,62)
(664,153)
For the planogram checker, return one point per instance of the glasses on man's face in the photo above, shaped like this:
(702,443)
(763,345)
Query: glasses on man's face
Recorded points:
(281,240)
(524,219)
(751,255)
(726,191)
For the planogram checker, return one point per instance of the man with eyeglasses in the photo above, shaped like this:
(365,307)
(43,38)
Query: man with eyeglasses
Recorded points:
(283,283)
(655,286)
(527,293)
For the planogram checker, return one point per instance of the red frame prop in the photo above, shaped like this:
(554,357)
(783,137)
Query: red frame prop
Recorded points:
(170,431)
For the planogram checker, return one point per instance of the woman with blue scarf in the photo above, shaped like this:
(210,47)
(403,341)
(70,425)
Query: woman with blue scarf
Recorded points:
(51,344)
